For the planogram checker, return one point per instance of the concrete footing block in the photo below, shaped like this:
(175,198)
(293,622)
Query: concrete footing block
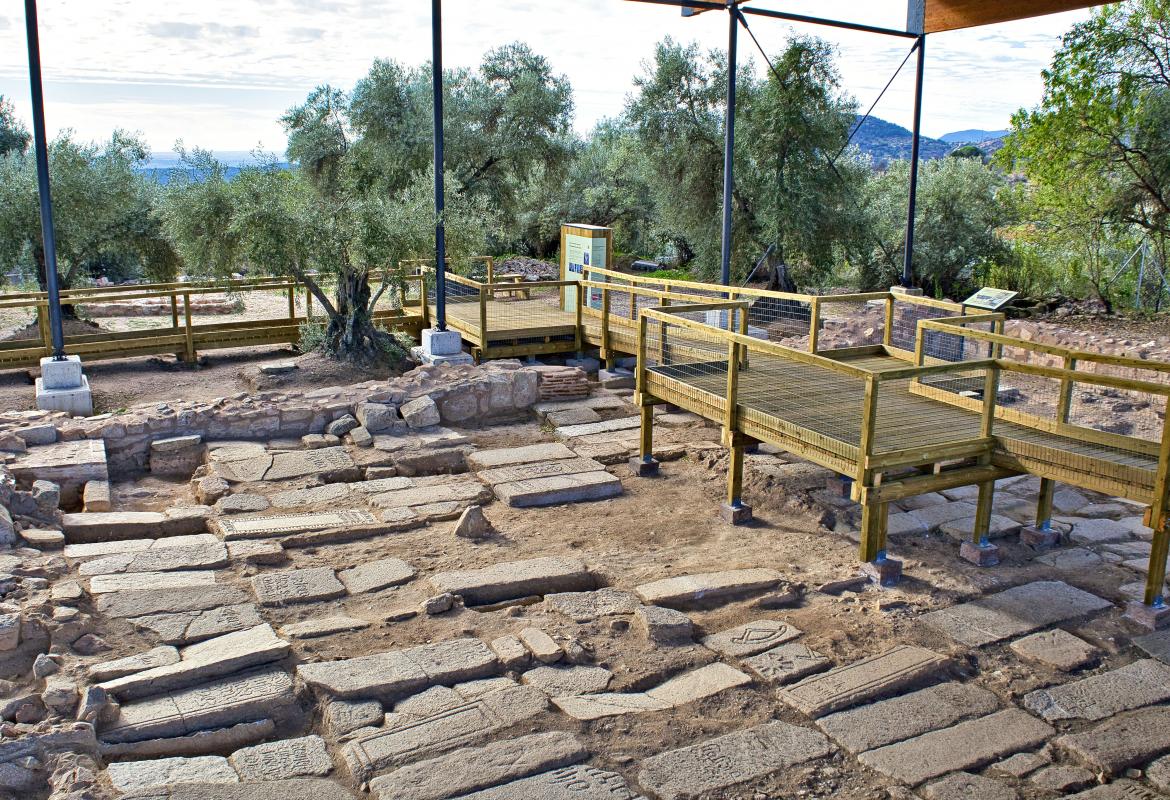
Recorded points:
(735,514)
(1152,618)
(1039,538)
(441,343)
(422,357)
(883,571)
(644,468)
(981,555)
(77,401)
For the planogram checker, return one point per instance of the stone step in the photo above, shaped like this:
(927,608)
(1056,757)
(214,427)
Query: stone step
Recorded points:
(513,579)
(687,590)
(865,680)
(1141,683)
(396,673)
(557,489)
(213,658)
(965,746)
(471,769)
(889,721)
(468,718)
(265,693)
(1014,612)
(108,526)
(722,762)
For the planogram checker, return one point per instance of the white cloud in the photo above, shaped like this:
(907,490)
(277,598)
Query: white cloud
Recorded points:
(134,64)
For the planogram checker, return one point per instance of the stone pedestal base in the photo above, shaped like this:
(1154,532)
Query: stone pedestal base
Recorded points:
(1039,538)
(77,401)
(643,468)
(65,374)
(913,291)
(884,572)
(1152,618)
(981,555)
(421,356)
(441,343)
(735,515)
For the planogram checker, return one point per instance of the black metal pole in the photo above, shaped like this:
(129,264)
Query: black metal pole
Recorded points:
(440,233)
(41,147)
(908,263)
(729,143)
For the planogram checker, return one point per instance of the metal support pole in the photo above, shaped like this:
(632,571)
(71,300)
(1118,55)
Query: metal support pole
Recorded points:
(729,141)
(440,233)
(908,264)
(40,144)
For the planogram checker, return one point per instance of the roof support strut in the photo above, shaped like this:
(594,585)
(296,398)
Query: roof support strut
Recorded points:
(908,262)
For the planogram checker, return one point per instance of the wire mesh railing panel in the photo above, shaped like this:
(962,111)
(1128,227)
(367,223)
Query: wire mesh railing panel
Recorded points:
(908,421)
(1138,414)
(904,329)
(529,307)
(851,323)
(779,319)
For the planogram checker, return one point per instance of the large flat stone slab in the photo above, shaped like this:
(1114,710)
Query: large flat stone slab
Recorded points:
(787,663)
(286,758)
(142,603)
(513,579)
(150,581)
(473,768)
(159,559)
(155,657)
(292,789)
(508,456)
(558,489)
(889,721)
(581,782)
(394,674)
(104,526)
(965,746)
(1141,683)
(323,626)
(329,464)
(115,547)
(130,776)
(296,586)
(1014,612)
(1119,790)
(245,697)
(605,426)
(288,524)
(1127,740)
(565,681)
(751,638)
(588,606)
(687,590)
(454,489)
(679,690)
(540,469)
(64,463)
(222,655)
(729,760)
(863,681)
(1156,645)
(415,738)
(375,575)
(187,627)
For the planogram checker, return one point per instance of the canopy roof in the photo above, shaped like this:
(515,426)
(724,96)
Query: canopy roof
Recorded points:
(932,16)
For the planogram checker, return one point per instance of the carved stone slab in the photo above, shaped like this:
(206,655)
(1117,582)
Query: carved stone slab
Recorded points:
(287,758)
(558,489)
(194,626)
(512,579)
(541,469)
(507,456)
(240,698)
(1141,683)
(150,581)
(296,586)
(581,782)
(329,463)
(284,524)
(787,663)
(727,760)
(751,638)
(445,730)
(863,680)
(688,589)
(172,601)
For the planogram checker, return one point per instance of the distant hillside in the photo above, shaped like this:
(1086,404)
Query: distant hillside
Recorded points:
(972,136)
(885,142)
(163,166)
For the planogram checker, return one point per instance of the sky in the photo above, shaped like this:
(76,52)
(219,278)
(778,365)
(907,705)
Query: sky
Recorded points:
(219,73)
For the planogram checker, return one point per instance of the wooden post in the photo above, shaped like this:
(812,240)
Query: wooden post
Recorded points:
(1156,571)
(491,270)
(646,437)
(919,347)
(662,335)
(605,351)
(868,435)
(983,514)
(309,304)
(888,333)
(814,324)
(735,476)
(174,310)
(1044,504)
(732,397)
(483,320)
(579,331)
(872,515)
(1064,401)
(292,301)
(633,304)
(190,332)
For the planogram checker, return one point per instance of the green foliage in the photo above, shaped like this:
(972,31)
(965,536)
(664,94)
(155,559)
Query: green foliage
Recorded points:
(967,151)
(105,213)
(14,137)
(1096,152)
